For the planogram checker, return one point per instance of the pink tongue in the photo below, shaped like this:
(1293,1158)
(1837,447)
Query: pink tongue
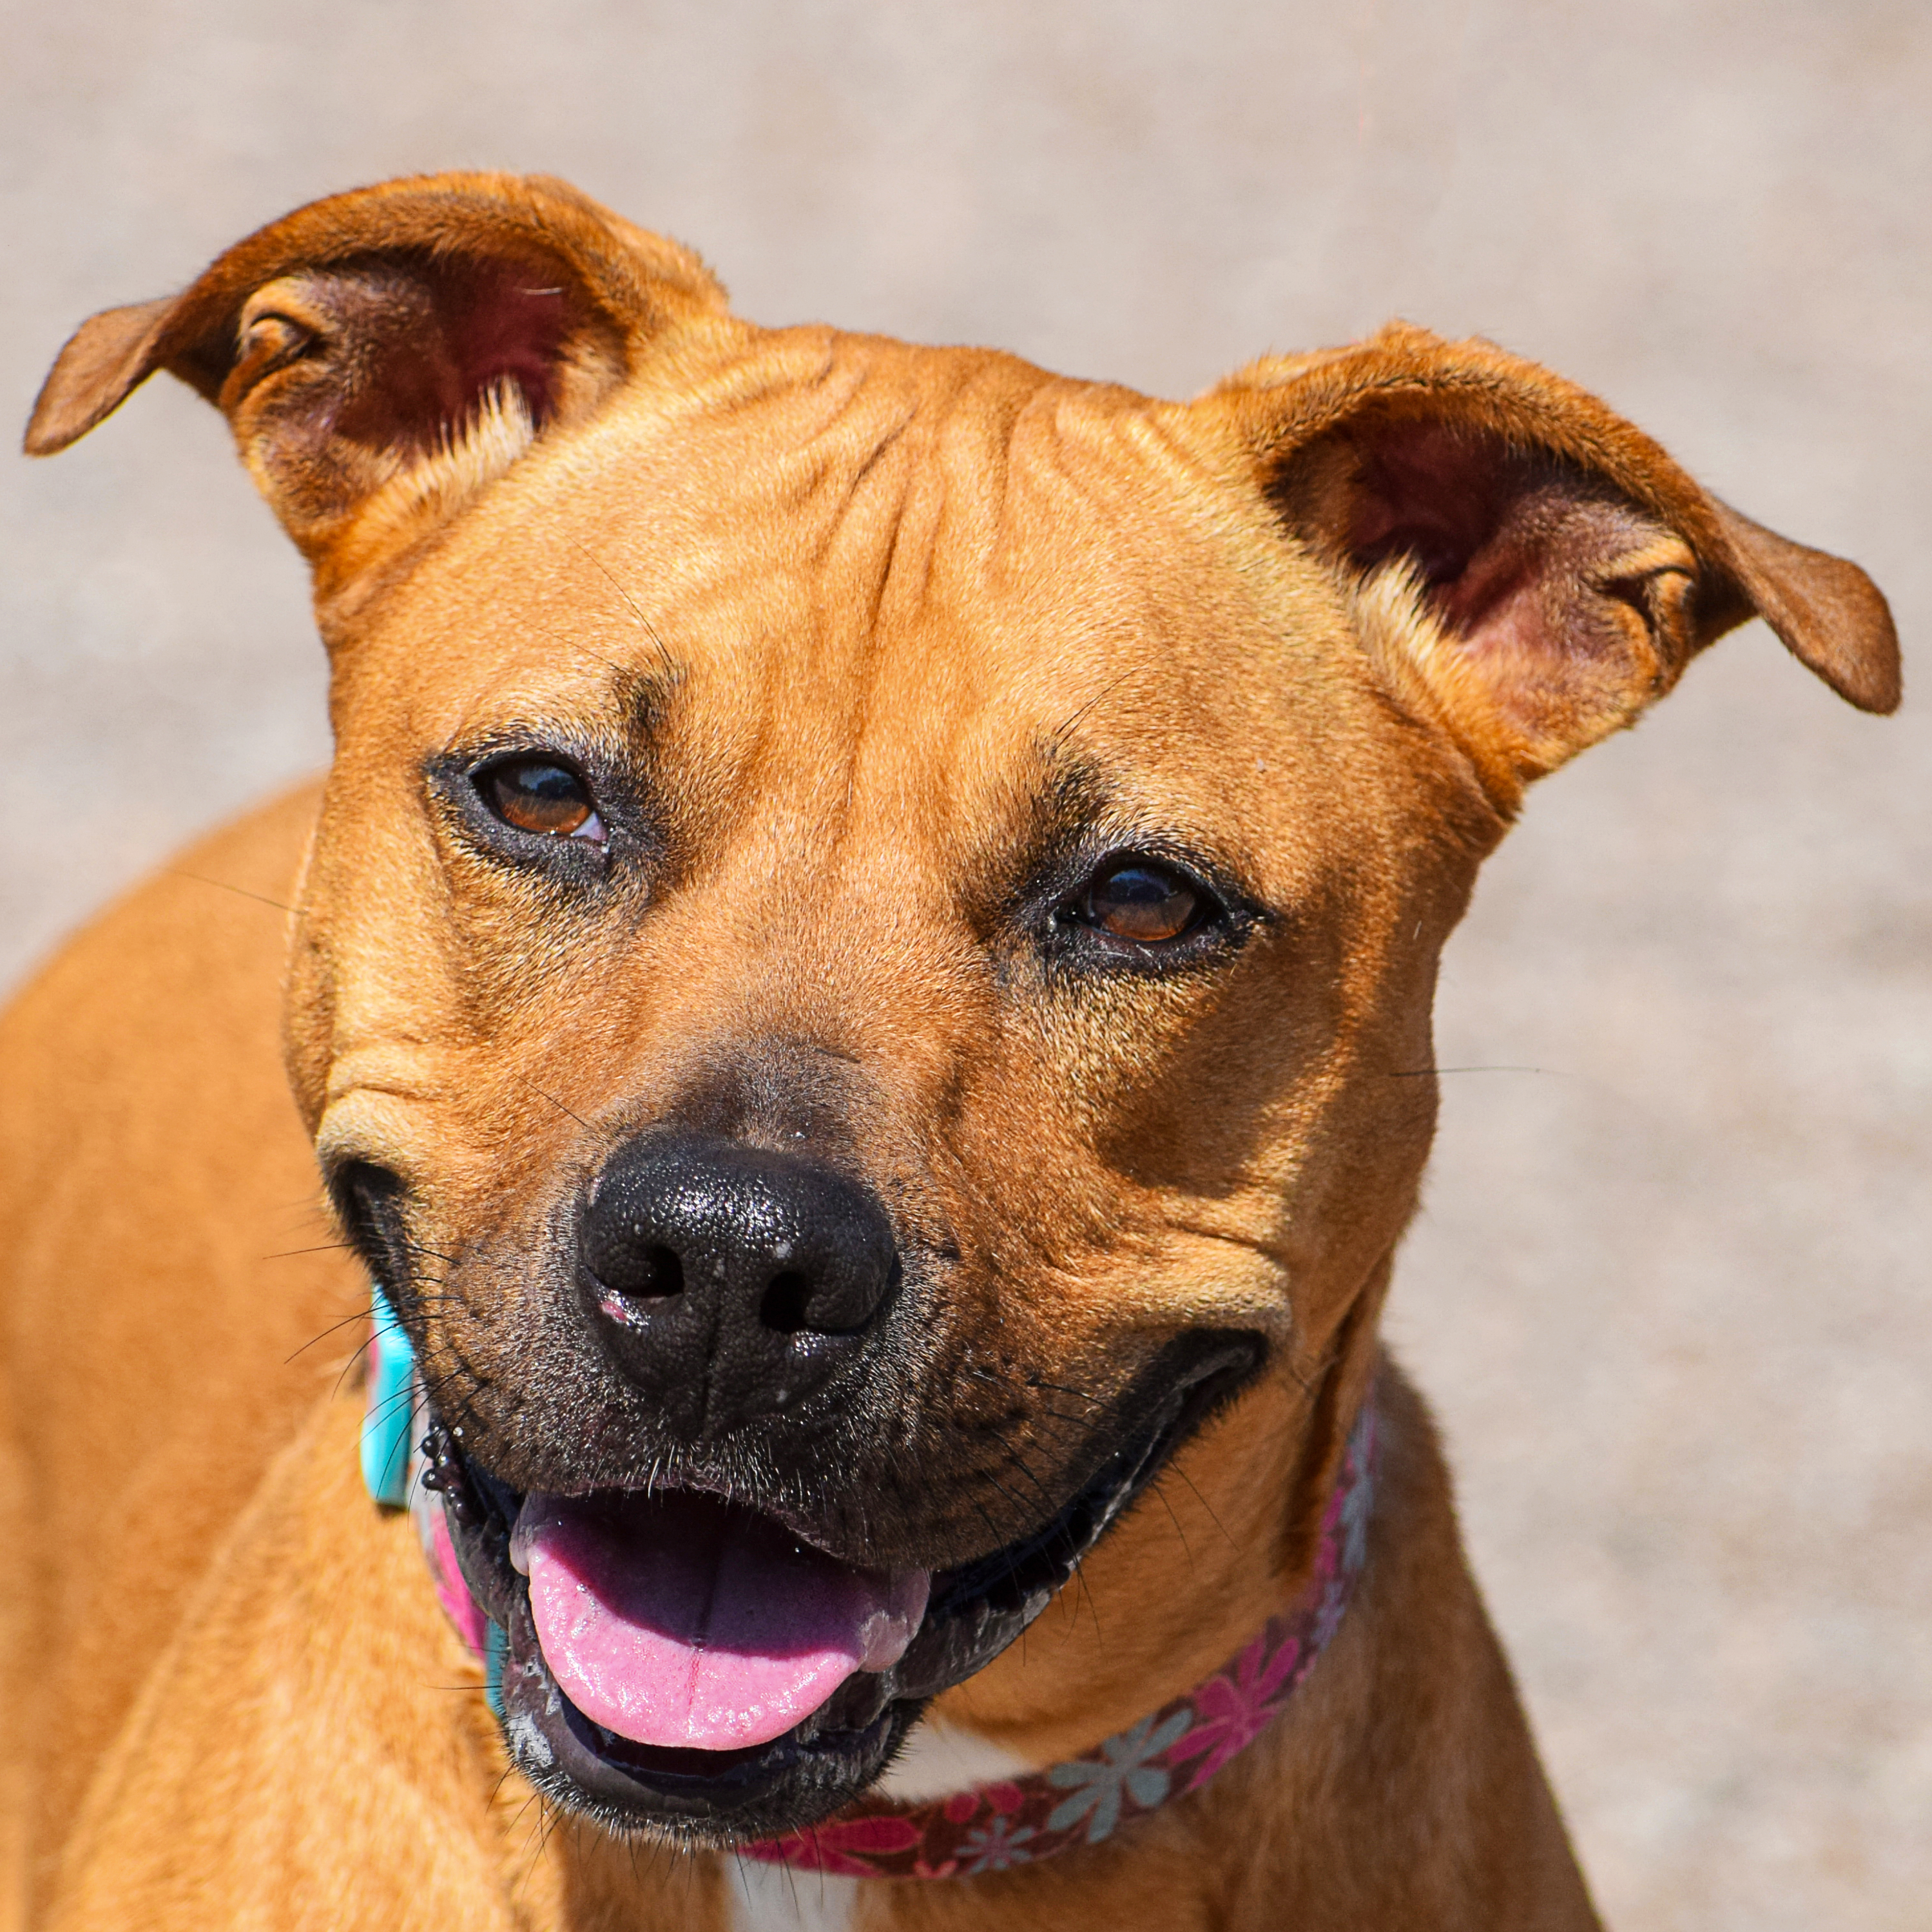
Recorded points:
(681,1620)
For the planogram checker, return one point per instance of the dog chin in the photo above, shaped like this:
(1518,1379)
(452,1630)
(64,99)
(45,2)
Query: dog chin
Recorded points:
(704,1798)
(685,1668)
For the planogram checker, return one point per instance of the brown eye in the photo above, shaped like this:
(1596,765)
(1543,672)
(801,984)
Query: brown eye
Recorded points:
(1144,902)
(535,795)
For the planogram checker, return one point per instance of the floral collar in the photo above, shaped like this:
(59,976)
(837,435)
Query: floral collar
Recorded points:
(991,1827)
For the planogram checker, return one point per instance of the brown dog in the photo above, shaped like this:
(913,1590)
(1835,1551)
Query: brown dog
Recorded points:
(862,981)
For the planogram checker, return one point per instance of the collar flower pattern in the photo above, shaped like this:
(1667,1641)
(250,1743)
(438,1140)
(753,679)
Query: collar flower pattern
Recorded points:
(1170,1752)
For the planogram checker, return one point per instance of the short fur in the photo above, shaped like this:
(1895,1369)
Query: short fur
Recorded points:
(875,634)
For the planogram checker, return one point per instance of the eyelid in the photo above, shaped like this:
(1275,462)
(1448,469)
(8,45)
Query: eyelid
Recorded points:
(1225,913)
(1129,860)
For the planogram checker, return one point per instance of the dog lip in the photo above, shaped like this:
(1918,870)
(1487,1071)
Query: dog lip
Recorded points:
(975,1610)
(681,1622)
(703,1799)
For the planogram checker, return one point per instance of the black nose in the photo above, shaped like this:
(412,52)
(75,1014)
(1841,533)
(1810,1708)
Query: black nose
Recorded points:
(726,1281)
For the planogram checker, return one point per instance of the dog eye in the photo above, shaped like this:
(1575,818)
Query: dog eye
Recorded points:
(537,795)
(1143,901)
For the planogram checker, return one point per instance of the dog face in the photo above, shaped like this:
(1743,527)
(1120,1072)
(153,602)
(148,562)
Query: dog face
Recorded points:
(900,824)
(975,832)
(864,978)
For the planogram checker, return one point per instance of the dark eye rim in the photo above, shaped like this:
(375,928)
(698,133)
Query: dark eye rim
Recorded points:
(1223,917)
(450,780)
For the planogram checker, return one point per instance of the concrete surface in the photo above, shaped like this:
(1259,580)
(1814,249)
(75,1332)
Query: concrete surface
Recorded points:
(1670,1293)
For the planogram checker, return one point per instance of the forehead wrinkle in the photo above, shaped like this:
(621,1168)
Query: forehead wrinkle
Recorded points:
(949,784)
(954,439)
(1110,487)
(922,515)
(1016,496)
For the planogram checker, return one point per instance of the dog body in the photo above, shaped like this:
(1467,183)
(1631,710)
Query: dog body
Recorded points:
(863,971)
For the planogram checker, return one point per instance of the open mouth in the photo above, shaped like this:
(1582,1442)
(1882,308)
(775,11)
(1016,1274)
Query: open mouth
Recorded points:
(684,1666)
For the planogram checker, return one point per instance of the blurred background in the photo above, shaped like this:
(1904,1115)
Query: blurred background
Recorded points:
(1669,1292)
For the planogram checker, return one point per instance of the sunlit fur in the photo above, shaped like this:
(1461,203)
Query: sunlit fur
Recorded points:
(865,640)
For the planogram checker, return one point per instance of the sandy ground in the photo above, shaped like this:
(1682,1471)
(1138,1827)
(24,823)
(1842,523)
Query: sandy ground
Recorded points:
(1669,1293)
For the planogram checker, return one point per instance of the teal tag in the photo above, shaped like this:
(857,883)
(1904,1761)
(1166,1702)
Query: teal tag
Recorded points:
(494,1645)
(391,1407)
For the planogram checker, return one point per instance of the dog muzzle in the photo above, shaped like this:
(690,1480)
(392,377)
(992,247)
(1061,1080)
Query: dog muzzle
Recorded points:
(989,1827)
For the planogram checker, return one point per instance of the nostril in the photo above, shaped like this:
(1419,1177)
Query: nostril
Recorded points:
(707,1253)
(787,1298)
(627,1283)
(660,1274)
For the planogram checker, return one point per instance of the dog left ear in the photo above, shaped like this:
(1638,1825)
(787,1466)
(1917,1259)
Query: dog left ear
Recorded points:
(1532,571)
(381,355)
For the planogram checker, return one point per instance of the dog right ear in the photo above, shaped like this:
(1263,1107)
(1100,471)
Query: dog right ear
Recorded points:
(1532,571)
(381,355)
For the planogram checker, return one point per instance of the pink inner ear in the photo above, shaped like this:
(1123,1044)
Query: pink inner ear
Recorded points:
(1479,522)
(1514,547)
(1427,492)
(441,336)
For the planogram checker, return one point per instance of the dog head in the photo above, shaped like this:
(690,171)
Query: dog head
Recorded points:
(863,981)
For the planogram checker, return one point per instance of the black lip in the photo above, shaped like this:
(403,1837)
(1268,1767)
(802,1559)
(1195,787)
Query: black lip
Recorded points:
(719,1799)
(712,1799)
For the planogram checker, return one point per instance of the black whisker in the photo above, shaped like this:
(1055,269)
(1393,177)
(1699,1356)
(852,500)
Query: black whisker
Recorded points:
(1060,734)
(561,1108)
(1205,1504)
(1157,1487)
(1060,1388)
(643,622)
(334,1328)
(343,1374)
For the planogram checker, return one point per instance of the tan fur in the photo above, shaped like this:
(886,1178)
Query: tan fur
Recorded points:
(871,594)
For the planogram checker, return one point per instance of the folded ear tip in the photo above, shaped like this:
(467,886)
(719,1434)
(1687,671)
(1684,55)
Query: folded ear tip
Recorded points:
(108,355)
(1886,697)
(1866,669)
(1871,684)
(1881,703)
(45,436)
(63,416)
(1826,611)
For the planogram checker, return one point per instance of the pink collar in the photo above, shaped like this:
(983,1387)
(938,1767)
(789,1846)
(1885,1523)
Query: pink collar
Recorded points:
(992,1827)
(1169,1753)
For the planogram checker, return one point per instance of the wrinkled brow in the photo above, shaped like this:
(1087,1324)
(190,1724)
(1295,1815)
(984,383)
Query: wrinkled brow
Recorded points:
(645,699)
(1056,813)
(1065,816)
